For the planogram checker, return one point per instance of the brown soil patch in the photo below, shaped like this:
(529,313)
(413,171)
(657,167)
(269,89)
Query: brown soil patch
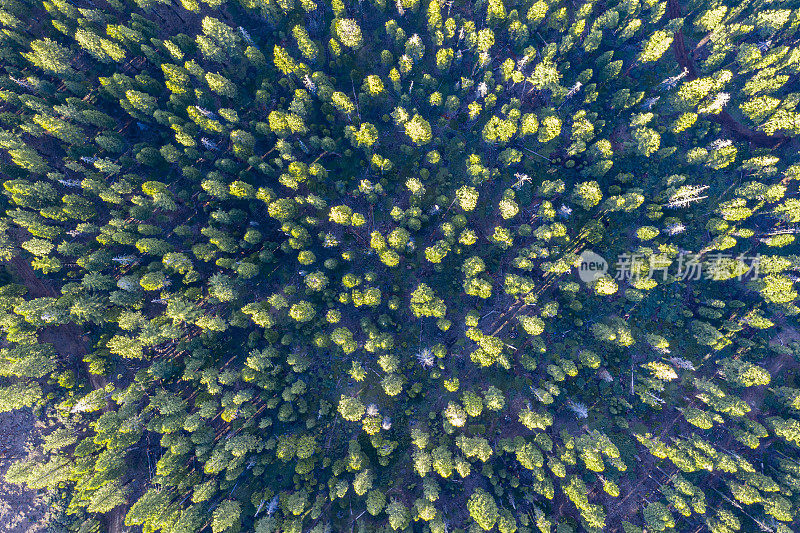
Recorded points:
(22,510)
(70,344)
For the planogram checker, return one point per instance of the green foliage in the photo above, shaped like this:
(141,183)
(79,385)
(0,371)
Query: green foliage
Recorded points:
(419,130)
(348,32)
(222,238)
(226,517)
(483,509)
(425,304)
(351,408)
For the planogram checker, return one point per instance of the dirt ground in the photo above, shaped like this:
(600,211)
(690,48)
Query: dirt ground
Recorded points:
(21,509)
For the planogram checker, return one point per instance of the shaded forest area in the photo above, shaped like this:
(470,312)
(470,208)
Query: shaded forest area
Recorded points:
(321,266)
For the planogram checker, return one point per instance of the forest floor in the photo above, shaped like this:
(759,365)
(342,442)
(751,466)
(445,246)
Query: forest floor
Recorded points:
(22,510)
(19,505)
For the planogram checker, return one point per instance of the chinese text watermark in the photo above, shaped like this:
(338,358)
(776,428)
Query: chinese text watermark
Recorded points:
(686,266)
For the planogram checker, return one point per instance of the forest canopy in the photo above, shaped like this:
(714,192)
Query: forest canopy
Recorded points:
(335,266)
